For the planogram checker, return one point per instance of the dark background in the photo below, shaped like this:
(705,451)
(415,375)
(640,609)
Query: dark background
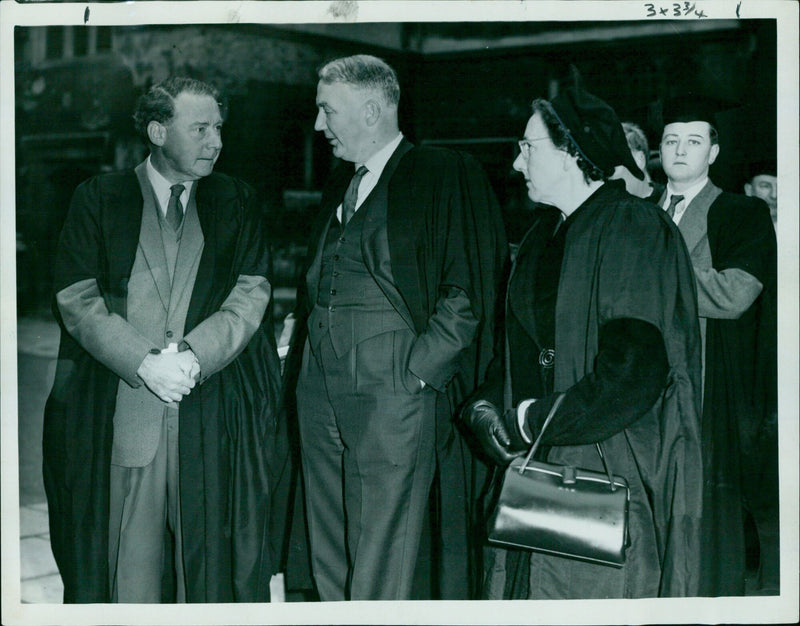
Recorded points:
(466,85)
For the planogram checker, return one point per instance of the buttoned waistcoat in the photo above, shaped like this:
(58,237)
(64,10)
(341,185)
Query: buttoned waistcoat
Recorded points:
(374,247)
(157,305)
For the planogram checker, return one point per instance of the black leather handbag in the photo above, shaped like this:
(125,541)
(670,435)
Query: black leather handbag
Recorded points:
(561,509)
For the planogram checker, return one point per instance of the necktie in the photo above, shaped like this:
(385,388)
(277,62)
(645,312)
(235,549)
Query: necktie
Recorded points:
(351,195)
(674,201)
(174,207)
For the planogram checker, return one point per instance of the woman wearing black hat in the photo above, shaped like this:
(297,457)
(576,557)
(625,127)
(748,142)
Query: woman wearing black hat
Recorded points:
(601,306)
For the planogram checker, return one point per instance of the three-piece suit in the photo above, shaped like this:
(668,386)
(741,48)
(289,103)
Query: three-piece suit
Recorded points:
(127,284)
(403,294)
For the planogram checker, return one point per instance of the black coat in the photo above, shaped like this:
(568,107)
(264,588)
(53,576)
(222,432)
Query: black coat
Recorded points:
(623,259)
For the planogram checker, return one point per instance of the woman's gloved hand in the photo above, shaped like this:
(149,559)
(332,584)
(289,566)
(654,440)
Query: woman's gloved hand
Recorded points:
(498,434)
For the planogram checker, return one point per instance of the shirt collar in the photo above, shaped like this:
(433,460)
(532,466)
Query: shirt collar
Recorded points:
(378,161)
(688,194)
(161,187)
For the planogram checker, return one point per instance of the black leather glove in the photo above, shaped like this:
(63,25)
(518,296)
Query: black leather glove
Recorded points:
(497,433)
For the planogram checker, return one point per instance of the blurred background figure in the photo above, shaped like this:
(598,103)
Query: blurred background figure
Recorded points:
(643,188)
(762,182)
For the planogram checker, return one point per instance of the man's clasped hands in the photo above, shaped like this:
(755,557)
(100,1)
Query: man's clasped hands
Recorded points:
(170,374)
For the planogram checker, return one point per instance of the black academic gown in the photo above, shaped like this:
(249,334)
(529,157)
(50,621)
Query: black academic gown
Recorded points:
(740,393)
(441,215)
(622,259)
(231,439)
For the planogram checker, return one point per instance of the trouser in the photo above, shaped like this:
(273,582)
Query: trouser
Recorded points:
(367,442)
(144,505)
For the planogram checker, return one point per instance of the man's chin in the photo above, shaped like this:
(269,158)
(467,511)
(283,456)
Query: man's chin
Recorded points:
(204,168)
(681,175)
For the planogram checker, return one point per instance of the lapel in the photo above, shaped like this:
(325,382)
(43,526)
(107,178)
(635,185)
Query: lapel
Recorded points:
(520,296)
(150,239)
(376,206)
(694,223)
(190,248)
(374,234)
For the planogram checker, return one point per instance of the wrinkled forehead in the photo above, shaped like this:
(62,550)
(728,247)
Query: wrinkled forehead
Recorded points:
(685,129)
(194,107)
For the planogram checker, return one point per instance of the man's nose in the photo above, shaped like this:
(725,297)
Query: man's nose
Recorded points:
(215,139)
(773,192)
(519,163)
(319,123)
(681,147)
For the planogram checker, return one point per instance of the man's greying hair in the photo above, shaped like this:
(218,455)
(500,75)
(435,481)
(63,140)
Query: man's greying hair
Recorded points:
(158,104)
(365,72)
(637,140)
(562,140)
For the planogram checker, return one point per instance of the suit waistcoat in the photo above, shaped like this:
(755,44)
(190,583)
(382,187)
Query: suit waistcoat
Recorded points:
(158,293)
(350,305)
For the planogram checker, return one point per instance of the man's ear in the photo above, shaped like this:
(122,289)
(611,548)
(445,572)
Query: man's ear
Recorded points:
(712,156)
(372,112)
(156,133)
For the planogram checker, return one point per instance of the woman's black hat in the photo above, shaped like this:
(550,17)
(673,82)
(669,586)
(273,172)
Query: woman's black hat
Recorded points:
(593,127)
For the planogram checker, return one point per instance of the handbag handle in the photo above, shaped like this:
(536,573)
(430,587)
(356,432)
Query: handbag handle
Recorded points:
(508,402)
(536,443)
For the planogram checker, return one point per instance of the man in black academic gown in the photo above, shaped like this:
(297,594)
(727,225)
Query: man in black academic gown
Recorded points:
(397,304)
(163,416)
(731,241)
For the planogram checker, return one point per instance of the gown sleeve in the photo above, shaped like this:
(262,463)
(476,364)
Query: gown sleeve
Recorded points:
(630,371)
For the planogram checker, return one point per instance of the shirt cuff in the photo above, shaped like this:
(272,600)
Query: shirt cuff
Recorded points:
(522,410)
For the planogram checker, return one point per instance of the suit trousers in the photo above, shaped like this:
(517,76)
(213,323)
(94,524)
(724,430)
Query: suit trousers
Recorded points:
(367,433)
(144,504)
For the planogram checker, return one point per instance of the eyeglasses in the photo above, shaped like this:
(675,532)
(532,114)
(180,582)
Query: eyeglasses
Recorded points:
(525,145)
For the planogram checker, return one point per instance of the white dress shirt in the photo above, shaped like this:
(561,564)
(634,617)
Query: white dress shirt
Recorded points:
(688,195)
(161,187)
(375,164)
